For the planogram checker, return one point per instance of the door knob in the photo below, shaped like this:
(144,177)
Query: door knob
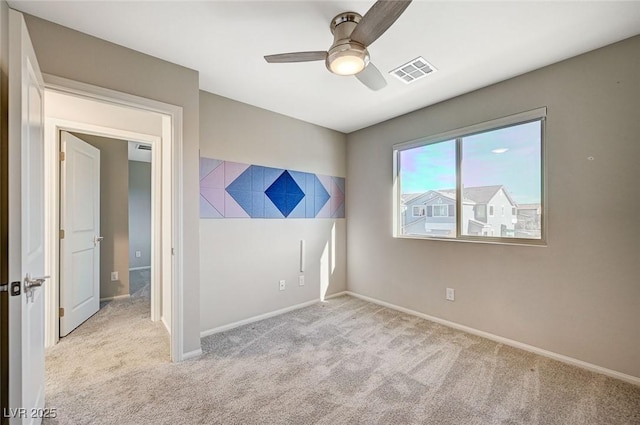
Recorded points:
(97,239)
(30,282)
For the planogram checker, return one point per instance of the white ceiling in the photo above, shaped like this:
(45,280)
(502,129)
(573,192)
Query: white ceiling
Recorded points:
(473,44)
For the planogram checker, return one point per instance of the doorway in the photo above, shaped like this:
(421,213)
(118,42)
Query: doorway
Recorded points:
(77,107)
(105,214)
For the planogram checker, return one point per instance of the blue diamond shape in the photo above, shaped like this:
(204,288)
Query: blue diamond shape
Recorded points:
(285,193)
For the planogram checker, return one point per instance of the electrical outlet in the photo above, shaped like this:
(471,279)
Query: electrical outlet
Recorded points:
(451,294)
(114,276)
(301,280)
(138,254)
(282,285)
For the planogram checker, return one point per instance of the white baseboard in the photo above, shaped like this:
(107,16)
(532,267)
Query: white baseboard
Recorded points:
(337,294)
(506,341)
(139,268)
(166,325)
(192,354)
(117,297)
(260,317)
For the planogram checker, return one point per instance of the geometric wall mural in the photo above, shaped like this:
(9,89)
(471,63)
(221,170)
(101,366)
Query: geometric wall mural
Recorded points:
(235,190)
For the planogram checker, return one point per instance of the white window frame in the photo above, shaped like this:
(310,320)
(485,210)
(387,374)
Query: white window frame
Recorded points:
(539,114)
(491,211)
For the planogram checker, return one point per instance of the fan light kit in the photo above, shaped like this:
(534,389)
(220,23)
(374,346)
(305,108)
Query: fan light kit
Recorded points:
(352,35)
(347,62)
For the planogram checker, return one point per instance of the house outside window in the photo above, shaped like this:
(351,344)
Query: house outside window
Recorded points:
(460,176)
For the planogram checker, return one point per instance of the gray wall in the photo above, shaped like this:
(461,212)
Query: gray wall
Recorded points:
(580,295)
(114,217)
(139,213)
(77,56)
(242,260)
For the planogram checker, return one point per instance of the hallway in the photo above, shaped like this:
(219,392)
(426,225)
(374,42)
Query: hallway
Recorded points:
(115,344)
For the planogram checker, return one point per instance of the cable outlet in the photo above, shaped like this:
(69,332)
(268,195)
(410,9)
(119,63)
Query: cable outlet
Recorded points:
(301,280)
(451,294)
(114,276)
(282,285)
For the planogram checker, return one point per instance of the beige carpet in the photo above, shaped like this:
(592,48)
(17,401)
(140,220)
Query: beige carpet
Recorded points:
(139,282)
(345,361)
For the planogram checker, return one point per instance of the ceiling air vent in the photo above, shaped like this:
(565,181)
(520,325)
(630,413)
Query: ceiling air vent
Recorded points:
(413,70)
(143,147)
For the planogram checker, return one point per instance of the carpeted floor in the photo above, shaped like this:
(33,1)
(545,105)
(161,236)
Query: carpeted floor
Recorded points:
(139,283)
(344,361)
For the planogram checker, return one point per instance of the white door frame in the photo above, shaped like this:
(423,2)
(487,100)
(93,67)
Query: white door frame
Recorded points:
(167,262)
(53,127)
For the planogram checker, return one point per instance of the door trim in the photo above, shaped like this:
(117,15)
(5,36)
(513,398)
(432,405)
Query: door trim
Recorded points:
(169,174)
(53,127)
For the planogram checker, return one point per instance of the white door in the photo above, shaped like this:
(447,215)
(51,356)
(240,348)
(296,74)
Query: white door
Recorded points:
(26,228)
(80,220)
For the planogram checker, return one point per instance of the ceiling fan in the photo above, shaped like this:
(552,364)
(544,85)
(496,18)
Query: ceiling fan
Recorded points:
(352,34)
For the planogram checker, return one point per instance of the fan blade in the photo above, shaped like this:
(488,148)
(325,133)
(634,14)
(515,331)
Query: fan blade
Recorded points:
(371,77)
(377,20)
(296,57)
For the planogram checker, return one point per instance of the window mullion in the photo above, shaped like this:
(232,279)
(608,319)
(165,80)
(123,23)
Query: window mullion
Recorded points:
(458,187)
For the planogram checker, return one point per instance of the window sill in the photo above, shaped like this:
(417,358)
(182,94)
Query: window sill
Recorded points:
(491,241)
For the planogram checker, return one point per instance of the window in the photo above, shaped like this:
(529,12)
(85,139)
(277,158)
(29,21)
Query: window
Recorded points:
(481,212)
(440,210)
(425,170)
(418,210)
(462,175)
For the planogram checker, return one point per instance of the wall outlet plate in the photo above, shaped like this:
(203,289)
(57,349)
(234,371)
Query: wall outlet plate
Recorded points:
(114,276)
(138,254)
(301,280)
(451,294)
(282,285)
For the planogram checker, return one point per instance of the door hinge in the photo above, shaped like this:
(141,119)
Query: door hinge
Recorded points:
(61,312)
(61,233)
(62,156)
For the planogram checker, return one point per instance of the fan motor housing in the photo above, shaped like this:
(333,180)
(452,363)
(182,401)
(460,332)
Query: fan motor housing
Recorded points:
(345,17)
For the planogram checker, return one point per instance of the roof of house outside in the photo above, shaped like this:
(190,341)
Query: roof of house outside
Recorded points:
(481,194)
(477,195)
(408,197)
